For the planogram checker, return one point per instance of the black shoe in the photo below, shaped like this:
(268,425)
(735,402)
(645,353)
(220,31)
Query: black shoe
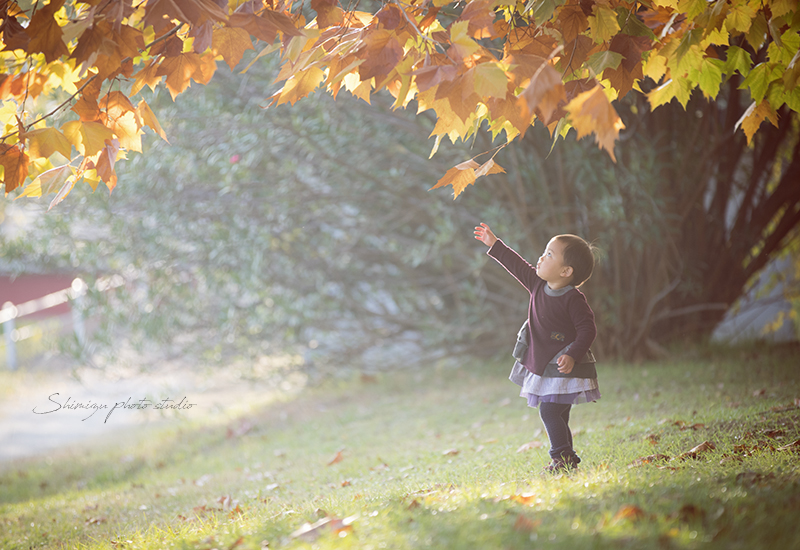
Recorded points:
(559,464)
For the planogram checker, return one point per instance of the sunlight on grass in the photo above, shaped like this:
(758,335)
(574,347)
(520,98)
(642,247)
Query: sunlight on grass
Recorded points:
(430,458)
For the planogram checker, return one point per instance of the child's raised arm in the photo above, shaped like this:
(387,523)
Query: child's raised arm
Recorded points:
(485,235)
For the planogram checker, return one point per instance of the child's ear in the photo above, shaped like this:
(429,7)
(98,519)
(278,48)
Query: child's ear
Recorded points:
(566,271)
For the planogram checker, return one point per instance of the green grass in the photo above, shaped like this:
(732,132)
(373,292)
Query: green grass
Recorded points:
(429,459)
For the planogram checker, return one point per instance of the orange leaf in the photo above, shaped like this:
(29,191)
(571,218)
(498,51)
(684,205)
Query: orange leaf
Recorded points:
(179,71)
(46,33)
(753,117)
(193,12)
(15,166)
(231,43)
(459,177)
(149,119)
(43,142)
(382,52)
(489,167)
(337,458)
(572,21)
(630,512)
(328,13)
(105,164)
(148,76)
(544,92)
(481,17)
(591,112)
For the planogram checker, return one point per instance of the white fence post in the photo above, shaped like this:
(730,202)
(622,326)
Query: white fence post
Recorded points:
(9,328)
(77,293)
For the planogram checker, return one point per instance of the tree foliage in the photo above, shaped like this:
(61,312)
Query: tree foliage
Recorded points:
(72,71)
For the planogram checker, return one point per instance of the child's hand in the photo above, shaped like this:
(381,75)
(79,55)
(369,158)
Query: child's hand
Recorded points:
(485,235)
(565,364)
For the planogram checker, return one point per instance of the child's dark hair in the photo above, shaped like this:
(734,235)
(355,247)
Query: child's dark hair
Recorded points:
(579,255)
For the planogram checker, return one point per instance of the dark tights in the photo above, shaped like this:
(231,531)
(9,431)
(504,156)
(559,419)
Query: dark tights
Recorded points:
(556,421)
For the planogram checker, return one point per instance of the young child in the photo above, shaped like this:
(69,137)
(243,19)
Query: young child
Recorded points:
(558,366)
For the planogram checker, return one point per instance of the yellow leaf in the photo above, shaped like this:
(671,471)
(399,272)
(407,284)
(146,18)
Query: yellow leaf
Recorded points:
(463,45)
(489,167)
(591,112)
(87,137)
(52,180)
(603,24)
(149,119)
(753,117)
(490,80)
(43,142)
(231,43)
(300,85)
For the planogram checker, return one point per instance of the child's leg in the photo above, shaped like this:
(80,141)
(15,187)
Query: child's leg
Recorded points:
(555,418)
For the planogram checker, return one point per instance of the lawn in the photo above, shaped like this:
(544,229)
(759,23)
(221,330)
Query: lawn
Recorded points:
(700,451)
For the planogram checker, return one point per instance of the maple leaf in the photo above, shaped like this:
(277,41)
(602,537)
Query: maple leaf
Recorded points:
(87,137)
(591,112)
(46,34)
(15,166)
(179,71)
(15,37)
(52,180)
(203,36)
(382,52)
(159,13)
(572,22)
(464,174)
(544,92)
(480,17)
(43,142)
(298,86)
(149,119)
(231,43)
(328,13)
(755,114)
(146,77)
(105,163)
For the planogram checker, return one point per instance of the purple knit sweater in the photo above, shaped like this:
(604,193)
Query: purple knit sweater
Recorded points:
(555,321)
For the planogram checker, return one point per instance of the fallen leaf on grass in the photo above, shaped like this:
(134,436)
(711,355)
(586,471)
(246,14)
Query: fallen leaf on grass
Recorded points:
(774,434)
(695,452)
(346,483)
(629,511)
(530,445)
(760,393)
(528,499)
(653,439)
(95,521)
(793,447)
(641,461)
(450,452)
(337,458)
(414,504)
(526,524)
(310,532)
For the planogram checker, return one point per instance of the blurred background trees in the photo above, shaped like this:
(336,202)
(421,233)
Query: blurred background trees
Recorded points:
(257,231)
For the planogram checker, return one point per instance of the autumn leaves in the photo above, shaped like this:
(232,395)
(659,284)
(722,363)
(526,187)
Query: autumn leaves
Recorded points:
(496,65)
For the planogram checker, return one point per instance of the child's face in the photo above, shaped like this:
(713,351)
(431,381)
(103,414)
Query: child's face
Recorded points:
(550,266)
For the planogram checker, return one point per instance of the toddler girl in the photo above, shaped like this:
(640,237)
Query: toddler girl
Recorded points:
(557,370)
